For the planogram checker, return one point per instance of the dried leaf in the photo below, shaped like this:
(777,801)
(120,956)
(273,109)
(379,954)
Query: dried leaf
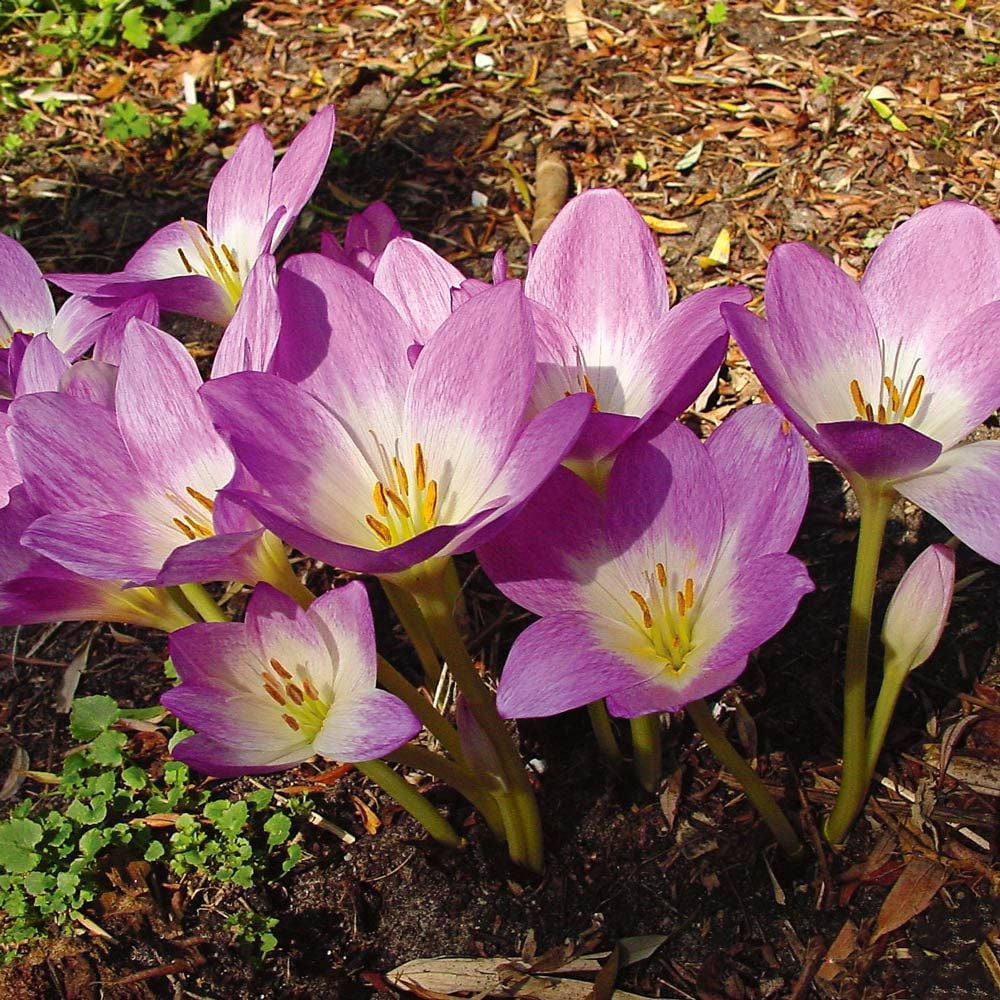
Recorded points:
(912,894)
(19,763)
(71,678)
(844,946)
(576,22)
(691,157)
(666,226)
(370,820)
(718,256)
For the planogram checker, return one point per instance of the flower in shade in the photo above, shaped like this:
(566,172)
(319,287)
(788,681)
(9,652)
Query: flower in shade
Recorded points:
(607,327)
(368,234)
(126,483)
(283,685)
(918,609)
(655,595)
(252,205)
(888,377)
(373,465)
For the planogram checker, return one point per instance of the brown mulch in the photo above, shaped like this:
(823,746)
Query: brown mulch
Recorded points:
(761,127)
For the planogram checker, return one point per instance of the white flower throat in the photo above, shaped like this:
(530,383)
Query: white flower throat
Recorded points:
(666,616)
(215,261)
(897,401)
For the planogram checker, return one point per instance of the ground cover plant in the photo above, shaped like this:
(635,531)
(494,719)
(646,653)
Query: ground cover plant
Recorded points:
(421,329)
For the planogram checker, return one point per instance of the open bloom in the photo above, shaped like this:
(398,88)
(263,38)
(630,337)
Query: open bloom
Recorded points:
(655,595)
(373,465)
(887,377)
(607,327)
(284,685)
(125,474)
(200,270)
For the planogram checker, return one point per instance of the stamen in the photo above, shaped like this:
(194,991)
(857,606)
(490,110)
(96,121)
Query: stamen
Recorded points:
(397,501)
(291,722)
(914,398)
(272,690)
(419,467)
(230,259)
(647,617)
(185,261)
(378,495)
(688,594)
(379,528)
(279,669)
(890,387)
(661,574)
(311,693)
(869,412)
(209,505)
(859,400)
(681,609)
(881,413)
(401,477)
(184,529)
(295,693)
(429,507)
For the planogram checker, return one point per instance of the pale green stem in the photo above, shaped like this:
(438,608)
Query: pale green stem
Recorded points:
(203,602)
(647,754)
(411,800)
(600,722)
(416,628)
(465,783)
(768,809)
(277,571)
(893,679)
(453,588)
(516,800)
(874,504)
(395,683)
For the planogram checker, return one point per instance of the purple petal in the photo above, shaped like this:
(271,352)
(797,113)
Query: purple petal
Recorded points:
(664,504)
(281,629)
(252,334)
(761,460)
(602,433)
(939,266)
(962,490)
(299,170)
(343,617)
(669,692)
(41,368)
(366,725)
(93,381)
(77,325)
(540,560)
(223,760)
(418,282)
(238,208)
(231,557)
(216,654)
(25,302)
(876,451)
(108,347)
(564,661)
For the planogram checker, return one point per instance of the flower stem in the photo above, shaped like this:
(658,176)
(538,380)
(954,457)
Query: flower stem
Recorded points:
(277,571)
(416,628)
(516,799)
(647,754)
(203,602)
(874,503)
(411,800)
(768,809)
(395,683)
(892,684)
(421,759)
(600,722)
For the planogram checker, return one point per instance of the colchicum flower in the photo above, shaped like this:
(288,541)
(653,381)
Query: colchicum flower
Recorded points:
(284,685)
(888,377)
(607,327)
(655,595)
(126,484)
(200,270)
(373,465)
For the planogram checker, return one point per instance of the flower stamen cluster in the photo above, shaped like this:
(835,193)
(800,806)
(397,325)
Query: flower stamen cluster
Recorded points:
(401,513)
(225,273)
(669,631)
(305,709)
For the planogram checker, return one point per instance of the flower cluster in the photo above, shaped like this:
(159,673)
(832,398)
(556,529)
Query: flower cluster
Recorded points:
(375,409)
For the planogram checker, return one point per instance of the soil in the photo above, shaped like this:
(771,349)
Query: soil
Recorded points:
(791,148)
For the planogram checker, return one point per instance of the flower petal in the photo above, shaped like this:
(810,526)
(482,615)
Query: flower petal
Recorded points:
(365,725)
(962,490)
(25,302)
(564,661)
(670,692)
(41,368)
(418,282)
(343,617)
(877,451)
(252,334)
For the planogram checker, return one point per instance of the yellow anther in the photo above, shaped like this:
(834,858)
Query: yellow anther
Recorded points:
(231,259)
(913,401)
(311,693)
(185,261)
(209,505)
(688,594)
(881,414)
(893,392)
(279,669)
(869,412)
(420,469)
(647,617)
(859,400)
(399,503)
(661,574)
(401,476)
(184,529)
(379,528)
(378,496)
(429,506)
(291,722)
